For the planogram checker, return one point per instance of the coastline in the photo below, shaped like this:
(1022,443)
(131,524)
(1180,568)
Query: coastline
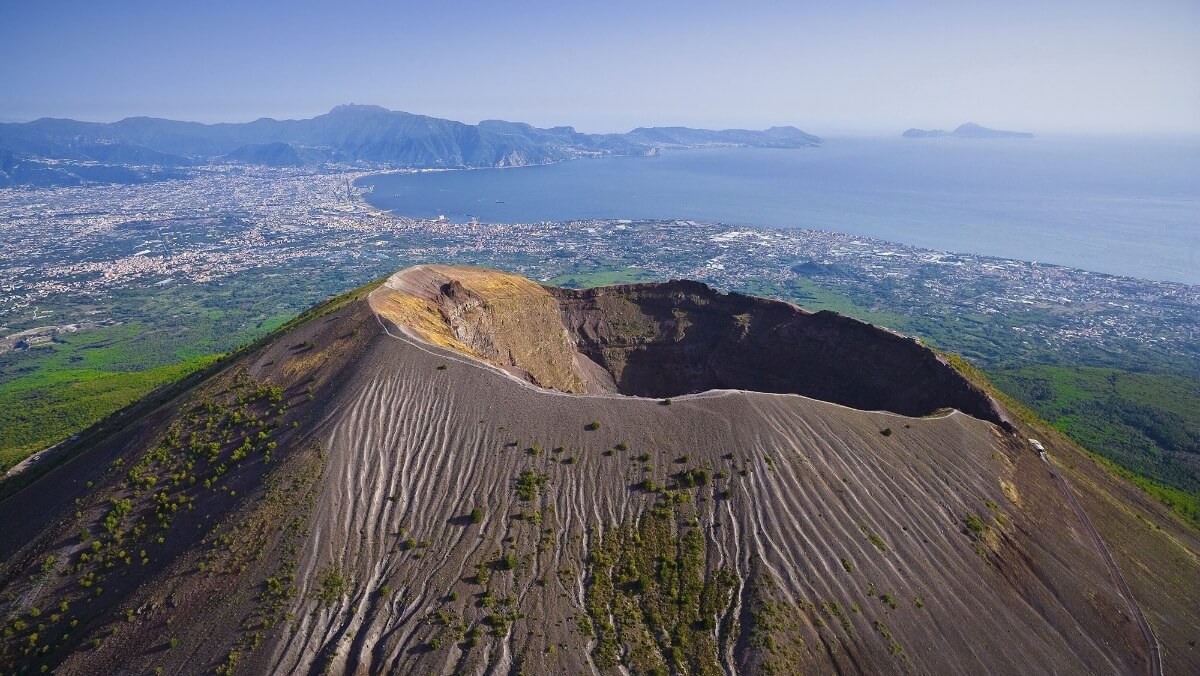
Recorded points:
(519,211)
(734,230)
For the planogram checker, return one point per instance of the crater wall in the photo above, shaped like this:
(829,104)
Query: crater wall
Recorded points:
(671,339)
(679,337)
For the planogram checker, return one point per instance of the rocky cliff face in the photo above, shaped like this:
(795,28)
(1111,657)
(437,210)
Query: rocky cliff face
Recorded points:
(681,337)
(505,320)
(678,338)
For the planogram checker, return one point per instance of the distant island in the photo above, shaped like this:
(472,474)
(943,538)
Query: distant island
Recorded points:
(138,149)
(968,130)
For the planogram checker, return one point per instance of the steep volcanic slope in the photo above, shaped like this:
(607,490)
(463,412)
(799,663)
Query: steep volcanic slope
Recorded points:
(409,507)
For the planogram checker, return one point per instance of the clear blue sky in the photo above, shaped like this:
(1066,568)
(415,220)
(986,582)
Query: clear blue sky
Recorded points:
(828,67)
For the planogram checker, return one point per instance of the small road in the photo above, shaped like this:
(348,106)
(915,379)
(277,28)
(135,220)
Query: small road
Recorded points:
(36,458)
(1114,572)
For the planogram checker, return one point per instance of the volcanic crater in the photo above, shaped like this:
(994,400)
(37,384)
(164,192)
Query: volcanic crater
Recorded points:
(664,340)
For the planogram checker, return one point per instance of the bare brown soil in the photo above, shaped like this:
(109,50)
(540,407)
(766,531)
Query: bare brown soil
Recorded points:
(427,509)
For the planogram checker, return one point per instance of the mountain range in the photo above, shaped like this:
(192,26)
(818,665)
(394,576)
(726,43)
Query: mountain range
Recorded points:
(346,134)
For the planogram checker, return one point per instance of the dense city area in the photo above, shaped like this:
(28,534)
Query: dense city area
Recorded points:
(68,250)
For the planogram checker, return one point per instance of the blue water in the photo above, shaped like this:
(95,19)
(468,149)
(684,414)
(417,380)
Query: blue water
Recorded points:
(1122,206)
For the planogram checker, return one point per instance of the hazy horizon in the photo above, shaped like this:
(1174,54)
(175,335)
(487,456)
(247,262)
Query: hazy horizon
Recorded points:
(824,132)
(859,68)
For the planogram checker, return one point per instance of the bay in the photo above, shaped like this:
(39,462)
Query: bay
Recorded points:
(1122,206)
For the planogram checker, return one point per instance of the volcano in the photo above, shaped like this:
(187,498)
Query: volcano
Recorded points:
(458,470)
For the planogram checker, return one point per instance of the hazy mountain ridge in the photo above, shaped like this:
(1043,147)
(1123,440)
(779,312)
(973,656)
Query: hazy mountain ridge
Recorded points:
(353,133)
(967,130)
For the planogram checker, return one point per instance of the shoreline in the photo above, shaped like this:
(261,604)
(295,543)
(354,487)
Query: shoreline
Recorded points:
(1140,236)
(736,228)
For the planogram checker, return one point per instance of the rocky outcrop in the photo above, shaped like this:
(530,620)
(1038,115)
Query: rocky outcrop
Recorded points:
(506,320)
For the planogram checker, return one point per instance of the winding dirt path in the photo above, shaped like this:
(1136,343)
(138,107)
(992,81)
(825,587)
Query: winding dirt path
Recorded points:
(1114,571)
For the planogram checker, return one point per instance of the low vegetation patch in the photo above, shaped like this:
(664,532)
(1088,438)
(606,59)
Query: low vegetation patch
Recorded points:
(974,526)
(528,484)
(331,586)
(873,538)
(652,603)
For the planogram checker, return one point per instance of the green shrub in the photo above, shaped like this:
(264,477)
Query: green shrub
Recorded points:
(528,483)
(332,586)
(973,525)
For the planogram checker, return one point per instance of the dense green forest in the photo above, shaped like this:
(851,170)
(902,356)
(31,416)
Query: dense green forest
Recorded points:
(52,390)
(1147,423)
(40,410)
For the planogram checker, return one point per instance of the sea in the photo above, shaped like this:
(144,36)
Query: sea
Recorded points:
(1123,206)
